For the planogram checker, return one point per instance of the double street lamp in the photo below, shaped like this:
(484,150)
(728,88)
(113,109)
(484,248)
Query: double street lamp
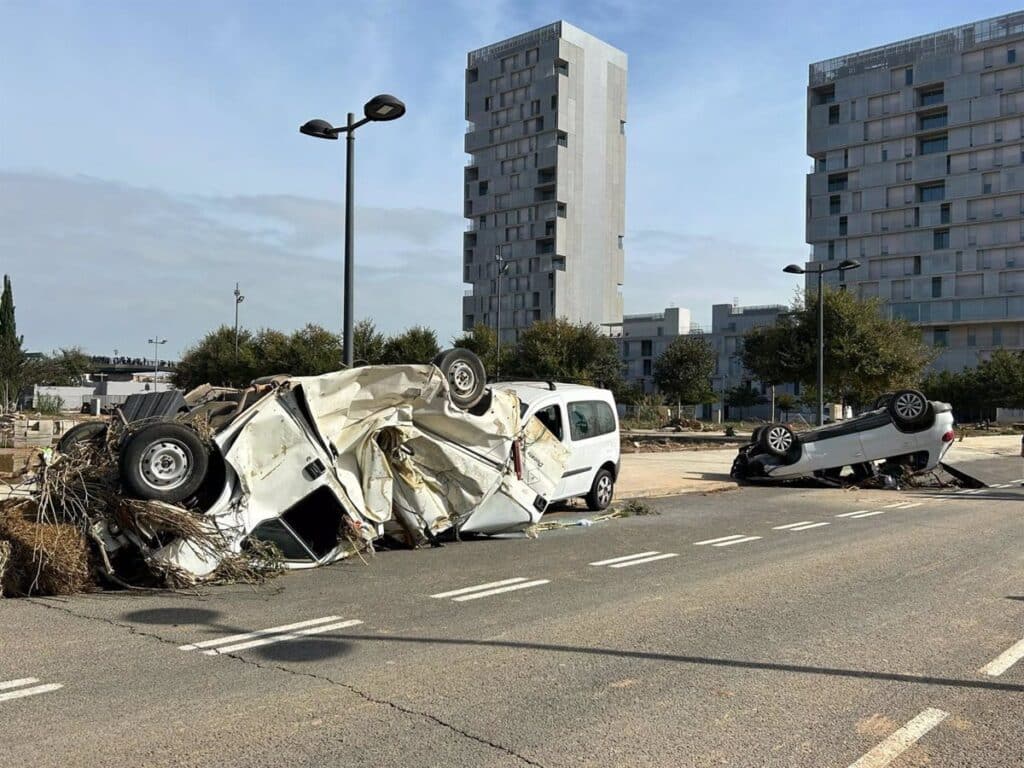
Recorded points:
(503,267)
(378,109)
(156,341)
(820,269)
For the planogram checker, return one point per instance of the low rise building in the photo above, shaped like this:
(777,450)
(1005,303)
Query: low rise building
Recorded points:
(643,338)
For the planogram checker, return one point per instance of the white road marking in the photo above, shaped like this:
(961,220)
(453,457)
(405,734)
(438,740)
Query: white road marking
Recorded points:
(896,504)
(715,541)
(808,527)
(23,692)
(1005,660)
(1001,485)
(791,525)
(868,514)
(645,560)
(257,633)
(500,590)
(901,740)
(623,559)
(851,514)
(742,540)
(467,590)
(282,638)
(972,491)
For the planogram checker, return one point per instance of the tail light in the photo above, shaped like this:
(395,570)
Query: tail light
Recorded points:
(949,436)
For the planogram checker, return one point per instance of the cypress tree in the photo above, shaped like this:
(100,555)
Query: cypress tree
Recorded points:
(12,357)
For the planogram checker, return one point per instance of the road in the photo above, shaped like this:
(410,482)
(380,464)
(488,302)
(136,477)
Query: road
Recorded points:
(753,627)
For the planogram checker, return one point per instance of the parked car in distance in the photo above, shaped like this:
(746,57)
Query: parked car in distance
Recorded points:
(586,421)
(904,429)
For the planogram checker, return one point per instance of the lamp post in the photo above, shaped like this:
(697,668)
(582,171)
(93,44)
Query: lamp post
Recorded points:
(239,298)
(378,109)
(503,267)
(820,269)
(156,341)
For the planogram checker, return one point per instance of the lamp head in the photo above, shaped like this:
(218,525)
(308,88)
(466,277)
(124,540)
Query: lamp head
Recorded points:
(384,107)
(320,129)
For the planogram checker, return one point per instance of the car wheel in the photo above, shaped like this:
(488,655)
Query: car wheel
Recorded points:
(882,401)
(601,491)
(89,432)
(164,462)
(465,374)
(778,439)
(908,407)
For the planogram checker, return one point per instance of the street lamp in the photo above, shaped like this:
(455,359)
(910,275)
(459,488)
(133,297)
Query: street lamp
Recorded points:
(503,267)
(820,269)
(239,298)
(378,109)
(156,341)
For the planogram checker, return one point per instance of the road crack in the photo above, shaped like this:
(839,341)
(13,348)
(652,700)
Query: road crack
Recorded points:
(365,695)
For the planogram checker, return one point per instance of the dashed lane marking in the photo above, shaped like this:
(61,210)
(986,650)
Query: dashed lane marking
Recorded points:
(851,514)
(741,540)
(715,541)
(1005,660)
(261,637)
(861,515)
(622,559)
(791,525)
(489,589)
(467,590)
(900,741)
(808,527)
(628,563)
(501,590)
(25,686)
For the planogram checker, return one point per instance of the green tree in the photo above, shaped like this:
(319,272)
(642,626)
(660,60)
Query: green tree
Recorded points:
(785,402)
(743,396)
(559,350)
(866,353)
(483,342)
(313,350)
(212,360)
(417,345)
(12,356)
(683,371)
(268,352)
(63,368)
(367,343)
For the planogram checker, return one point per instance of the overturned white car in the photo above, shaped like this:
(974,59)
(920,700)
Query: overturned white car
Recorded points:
(322,465)
(903,432)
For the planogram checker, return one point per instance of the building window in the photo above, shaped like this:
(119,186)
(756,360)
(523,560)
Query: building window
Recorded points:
(997,336)
(483,222)
(932,121)
(833,205)
(885,154)
(940,239)
(625,349)
(561,67)
(472,75)
(645,348)
(561,210)
(929,96)
(928,193)
(936,287)
(647,367)
(831,250)
(1011,56)
(620,242)
(933,144)
(825,94)
(661,331)
(622,127)
(972,338)
(842,226)
(944,214)
(563,139)
(917,266)
(908,76)
(940,337)
(838,182)
(833,114)
(483,188)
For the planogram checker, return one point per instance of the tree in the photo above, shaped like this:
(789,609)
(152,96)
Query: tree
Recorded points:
(313,350)
(212,360)
(63,368)
(976,393)
(743,396)
(12,356)
(683,371)
(367,343)
(416,345)
(866,353)
(483,342)
(785,402)
(559,350)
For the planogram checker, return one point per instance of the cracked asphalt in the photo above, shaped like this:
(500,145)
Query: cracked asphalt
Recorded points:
(755,627)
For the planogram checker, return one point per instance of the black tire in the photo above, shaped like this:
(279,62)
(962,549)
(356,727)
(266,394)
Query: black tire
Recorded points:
(601,491)
(778,440)
(908,408)
(164,462)
(91,431)
(465,374)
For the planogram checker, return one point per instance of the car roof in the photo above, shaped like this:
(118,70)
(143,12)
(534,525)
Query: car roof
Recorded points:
(532,390)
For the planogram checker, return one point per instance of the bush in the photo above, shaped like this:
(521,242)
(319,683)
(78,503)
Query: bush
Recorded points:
(49,405)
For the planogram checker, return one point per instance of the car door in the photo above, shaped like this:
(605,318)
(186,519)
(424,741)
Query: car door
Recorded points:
(586,445)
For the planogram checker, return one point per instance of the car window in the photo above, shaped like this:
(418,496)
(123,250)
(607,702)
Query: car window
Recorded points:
(551,417)
(590,418)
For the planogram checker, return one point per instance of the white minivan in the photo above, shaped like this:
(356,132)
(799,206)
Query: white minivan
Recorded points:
(586,421)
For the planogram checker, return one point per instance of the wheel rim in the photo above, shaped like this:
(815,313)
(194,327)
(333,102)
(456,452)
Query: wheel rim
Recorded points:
(779,439)
(166,464)
(909,406)
(462,378)
(604,490)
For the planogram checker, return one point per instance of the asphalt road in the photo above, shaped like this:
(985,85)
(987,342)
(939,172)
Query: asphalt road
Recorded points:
(812,627)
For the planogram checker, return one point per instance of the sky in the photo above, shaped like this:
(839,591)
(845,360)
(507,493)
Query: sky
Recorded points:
(150,156)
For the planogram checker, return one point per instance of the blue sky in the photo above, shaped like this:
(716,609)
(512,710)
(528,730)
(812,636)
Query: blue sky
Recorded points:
(149,154)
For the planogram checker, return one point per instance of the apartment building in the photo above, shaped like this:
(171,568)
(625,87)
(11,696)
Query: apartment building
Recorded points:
(918,174)
(545,189)
(643,338)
